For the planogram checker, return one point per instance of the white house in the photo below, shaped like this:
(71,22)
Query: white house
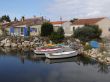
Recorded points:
(103,23)
(57,24)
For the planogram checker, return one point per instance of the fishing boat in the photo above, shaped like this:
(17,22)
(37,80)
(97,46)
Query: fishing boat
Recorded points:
(62,54)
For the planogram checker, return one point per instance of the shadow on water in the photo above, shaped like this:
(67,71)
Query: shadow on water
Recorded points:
(27,54)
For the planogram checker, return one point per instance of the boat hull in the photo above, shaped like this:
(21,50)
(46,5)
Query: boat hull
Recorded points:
(44,51)
(61,55)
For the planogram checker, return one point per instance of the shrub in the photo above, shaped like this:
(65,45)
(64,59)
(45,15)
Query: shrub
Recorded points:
(87,47)
(60,30)
(88,33)
(56,37)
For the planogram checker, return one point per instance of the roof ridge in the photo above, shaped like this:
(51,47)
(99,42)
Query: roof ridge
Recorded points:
(87,21)
(93,18)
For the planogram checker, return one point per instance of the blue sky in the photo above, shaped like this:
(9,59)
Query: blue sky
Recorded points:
(27,8)
(54,9)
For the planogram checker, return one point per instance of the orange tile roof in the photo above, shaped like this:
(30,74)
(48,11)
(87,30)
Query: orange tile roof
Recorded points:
(91,21)
(57,22)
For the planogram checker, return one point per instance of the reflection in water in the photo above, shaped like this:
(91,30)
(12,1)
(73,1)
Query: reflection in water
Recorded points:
(103,68)
(25,66)
(52,61)
(29,55)
(87,60)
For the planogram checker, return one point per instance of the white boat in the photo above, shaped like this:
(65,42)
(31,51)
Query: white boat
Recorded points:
(46,50)
(61,54)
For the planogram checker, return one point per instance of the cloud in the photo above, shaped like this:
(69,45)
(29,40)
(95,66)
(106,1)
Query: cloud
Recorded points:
(69,9)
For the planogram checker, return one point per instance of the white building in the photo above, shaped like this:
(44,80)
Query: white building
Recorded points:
(103,23)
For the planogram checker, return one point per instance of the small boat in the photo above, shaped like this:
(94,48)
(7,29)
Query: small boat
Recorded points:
(46,50)
(62,54)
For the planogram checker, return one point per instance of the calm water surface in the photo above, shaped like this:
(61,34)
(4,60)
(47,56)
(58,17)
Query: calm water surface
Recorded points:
(25,67)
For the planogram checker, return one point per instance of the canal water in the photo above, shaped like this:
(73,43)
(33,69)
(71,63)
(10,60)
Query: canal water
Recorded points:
(17,66)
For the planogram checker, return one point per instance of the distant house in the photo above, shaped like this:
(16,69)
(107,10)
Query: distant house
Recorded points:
(57,24)
(19,26)
(103,23)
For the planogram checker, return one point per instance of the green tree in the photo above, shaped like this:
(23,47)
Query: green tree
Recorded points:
(58,36)
(5,18)
(60,30)
(15,19)
(46,29)
(87,33)
(22,18)
(73,20)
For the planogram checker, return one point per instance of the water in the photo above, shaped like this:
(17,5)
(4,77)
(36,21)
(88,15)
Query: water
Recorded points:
(24,67)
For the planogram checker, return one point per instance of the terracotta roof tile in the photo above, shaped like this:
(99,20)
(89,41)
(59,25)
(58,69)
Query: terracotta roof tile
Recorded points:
(57,22)
(91,21)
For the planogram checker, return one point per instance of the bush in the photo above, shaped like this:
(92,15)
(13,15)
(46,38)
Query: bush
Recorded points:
(60,31)
(88,33)
(46,29)
(87,47)
(56,37)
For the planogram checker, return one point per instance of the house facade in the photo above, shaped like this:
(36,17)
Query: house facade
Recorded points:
(103,23)
(18,28)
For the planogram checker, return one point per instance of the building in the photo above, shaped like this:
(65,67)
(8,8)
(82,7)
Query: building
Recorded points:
(18,27)
(57,24)
(103,23)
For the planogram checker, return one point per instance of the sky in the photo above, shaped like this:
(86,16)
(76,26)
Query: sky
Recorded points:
(55,9)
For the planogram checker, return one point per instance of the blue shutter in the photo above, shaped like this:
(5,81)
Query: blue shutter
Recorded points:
(25,31)
(11,29)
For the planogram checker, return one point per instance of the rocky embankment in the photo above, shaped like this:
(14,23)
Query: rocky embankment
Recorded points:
(20,43)
(99,54)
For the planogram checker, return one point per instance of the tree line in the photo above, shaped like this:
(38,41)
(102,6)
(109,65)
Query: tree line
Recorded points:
(6,18)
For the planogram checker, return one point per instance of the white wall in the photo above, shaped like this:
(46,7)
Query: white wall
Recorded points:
(105,26)
(38,28)
(68,28)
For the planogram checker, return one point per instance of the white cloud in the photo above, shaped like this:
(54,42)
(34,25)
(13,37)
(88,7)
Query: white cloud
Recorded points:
(69,9)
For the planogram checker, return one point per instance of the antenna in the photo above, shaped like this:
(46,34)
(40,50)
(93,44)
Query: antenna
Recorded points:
(61,20)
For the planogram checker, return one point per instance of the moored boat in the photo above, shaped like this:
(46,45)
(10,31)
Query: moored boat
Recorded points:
(62,54)
(46,50)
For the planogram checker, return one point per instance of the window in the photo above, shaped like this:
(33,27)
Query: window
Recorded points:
(33,29)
